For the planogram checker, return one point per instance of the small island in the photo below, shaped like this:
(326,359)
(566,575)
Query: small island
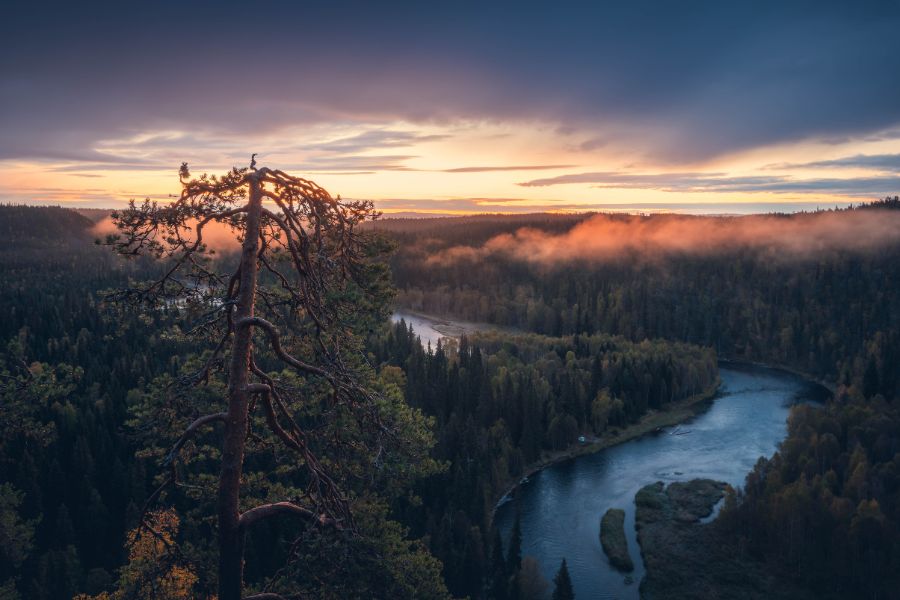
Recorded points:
(613,540)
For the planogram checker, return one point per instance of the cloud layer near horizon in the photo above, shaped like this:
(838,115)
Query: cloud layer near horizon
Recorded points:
(868,186)
(604,237)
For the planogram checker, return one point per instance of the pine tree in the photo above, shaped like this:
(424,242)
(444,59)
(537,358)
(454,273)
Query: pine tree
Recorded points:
(499,578)
(563,584)
(332,285)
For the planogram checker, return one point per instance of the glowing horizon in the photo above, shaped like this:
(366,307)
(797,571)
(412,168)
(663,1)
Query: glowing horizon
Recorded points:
(427,162)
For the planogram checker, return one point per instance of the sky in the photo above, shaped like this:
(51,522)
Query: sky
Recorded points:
(457,107)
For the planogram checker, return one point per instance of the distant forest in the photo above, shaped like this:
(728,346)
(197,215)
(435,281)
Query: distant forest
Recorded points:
(601,343)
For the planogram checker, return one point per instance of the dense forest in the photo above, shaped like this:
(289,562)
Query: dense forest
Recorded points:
(70,481)
(601,344)
(500,403)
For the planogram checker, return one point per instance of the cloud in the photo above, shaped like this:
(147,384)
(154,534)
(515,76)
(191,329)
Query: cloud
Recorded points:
(679,82)
(377,139)
(876,162)
(720,182)
(457,205)
(391,162)
(524,206)
(507,168)
(88,166)
(592,144)
(615,179)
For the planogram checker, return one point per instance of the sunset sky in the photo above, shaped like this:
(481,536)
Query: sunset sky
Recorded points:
(453,107)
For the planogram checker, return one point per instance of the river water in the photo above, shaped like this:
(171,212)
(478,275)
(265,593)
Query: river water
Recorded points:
(560,507)
(431,329)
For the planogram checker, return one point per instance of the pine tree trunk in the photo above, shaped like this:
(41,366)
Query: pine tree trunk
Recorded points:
(231,537)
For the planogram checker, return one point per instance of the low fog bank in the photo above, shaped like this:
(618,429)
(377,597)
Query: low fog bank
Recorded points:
(607,236)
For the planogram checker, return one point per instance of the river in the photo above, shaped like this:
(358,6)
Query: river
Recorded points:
(560,507)
(431,329)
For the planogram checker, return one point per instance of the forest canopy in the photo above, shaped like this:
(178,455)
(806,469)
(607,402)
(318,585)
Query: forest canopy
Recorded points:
(91,407)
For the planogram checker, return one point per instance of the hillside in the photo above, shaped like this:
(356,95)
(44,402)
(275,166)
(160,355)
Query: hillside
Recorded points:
(40,244)
(41,225)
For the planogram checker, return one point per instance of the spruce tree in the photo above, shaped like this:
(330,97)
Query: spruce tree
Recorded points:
(563,584)
(499,576)
(514,554)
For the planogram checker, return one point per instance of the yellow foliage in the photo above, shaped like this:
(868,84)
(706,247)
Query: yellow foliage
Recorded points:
(151,573)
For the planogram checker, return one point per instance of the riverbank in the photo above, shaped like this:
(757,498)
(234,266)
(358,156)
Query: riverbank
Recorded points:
(828,385)
(430,327)
(674,414)
(443,327)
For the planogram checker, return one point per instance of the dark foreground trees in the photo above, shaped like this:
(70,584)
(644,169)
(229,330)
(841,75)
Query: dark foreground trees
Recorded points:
(307,430)
(824,508)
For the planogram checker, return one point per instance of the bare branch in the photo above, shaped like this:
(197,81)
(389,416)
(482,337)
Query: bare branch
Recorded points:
(258,388)
(274,338)
(190,431)
(266,511)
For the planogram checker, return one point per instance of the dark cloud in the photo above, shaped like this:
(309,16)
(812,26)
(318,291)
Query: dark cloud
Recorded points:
(592,144)
(377,139)
(392,162)
(616,179)
(126,166)
(681,81)
(719,182)
(877,162)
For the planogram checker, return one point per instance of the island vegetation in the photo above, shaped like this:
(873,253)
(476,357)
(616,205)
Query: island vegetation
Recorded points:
(613,540)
